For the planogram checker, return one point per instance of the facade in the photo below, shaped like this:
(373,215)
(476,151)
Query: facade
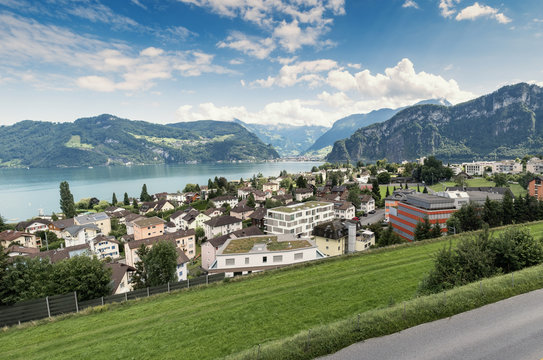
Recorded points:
(460,198)
(221,225)
(245,255)
(220,201)
(8,237)
(99,219)
(392,200)
(477,168)
(242,211)
(148,227)
(535,166)
(59,225)
(302,194)
(33,226)
(79,234)
(332,238)
(298,219)
(367,203)
(344,210)
(270,187)
(105,246)
(416,208)
(507,167)
(535,188)
(121,275)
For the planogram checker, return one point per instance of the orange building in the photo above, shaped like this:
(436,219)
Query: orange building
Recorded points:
(148,227)
(534,188)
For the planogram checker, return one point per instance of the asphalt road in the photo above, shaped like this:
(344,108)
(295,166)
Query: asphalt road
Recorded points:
(373,218)
(511,329)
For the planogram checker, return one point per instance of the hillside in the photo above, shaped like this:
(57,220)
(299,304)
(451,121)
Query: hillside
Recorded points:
(343,128)
(505,124)
(288,140)
(106,139)
(223,319)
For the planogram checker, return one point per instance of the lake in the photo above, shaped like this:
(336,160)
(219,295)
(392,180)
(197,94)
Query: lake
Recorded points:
(26,192)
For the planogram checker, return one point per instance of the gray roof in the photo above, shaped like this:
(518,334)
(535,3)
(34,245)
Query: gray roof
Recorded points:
(222,220)
(76,229)
(91,218)
(429,202)
(149,221)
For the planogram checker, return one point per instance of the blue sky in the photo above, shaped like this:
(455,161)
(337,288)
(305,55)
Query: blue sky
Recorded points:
(262,61)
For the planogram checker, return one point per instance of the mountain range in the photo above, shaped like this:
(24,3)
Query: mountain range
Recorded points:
(507,123)
(106,139)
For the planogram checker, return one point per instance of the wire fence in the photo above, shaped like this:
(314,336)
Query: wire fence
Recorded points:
(50,306)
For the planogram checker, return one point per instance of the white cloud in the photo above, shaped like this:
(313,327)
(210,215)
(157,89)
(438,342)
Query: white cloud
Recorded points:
(476,11)
(447,7)
(448,67)
(139,3)
(336,100)
(355,66)
(96,12)
(236,61)
(250,45)
(108,66)
(410,4)
(308,72)
(292,37)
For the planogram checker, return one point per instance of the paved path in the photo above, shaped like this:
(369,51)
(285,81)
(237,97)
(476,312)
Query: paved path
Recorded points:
(373,218)
(511,329)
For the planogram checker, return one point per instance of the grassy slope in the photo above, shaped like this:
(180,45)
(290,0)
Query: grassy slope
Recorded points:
(213,322)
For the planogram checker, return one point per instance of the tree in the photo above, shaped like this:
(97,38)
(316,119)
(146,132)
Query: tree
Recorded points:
(383,177)
(436,231)
(354,197)
(3,271)
(388,192)
(3,225)
(251,200)
(301,182)
(418,188)
(507,208)
(54,217)
(314,169)
(66,200)
(88,276)
(135,204)
(126,200)
(423,230)
(24,279)
(114,200)
(500,180)
(388,237)
(492,213)
(425,191)
(144,196)
(375,190)
(140,277)
(469,218)
(200,234)
(161,263)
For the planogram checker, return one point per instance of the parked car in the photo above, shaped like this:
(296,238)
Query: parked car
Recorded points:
(372,212)
(356,218)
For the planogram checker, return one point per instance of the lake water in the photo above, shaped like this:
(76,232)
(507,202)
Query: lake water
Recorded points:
(24,192)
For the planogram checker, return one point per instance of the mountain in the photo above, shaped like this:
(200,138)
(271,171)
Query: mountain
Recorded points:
(505,124)
(345,127)
(106,139)
(288,140)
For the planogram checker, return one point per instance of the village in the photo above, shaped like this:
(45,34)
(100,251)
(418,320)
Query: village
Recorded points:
(237,227)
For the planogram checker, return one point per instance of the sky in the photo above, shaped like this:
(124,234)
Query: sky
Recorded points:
(298,62)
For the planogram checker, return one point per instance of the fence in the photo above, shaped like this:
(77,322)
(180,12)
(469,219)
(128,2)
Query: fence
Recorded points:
(68,303)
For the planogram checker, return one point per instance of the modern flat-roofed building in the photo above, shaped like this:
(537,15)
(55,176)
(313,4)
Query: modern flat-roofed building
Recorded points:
(534,165)
(416,208)
(148,227)
(507,167)
(535,188)
(298,219)
(477,168)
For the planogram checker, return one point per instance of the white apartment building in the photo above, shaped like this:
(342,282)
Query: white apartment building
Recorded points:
(245,255)
(298,219)
(460,198)
(477,168)
(535,166)
(507,167)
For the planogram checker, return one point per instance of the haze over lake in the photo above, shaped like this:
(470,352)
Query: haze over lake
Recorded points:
(23,192)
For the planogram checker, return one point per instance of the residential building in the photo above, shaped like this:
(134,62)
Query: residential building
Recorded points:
(367,203)
(507,167)
(244,192)
(298,219)
(535,188)
(478,168)
(303,194)
(79,234)
(241,211)
(534,166)
(189,219)
(59,225)
(337,238)
(121,276)
(214,212)
(270,186)
(57,255)
(105,246)
(220,201)
(210,247)
(258,217)
(99,219)
(344,210)
(221,225)
(129,222)
(245,255)
(16,250)
(9,237)
(416,208)
(32,226)
(148,227)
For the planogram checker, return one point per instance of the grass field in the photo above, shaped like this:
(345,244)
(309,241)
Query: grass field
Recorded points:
(223,319)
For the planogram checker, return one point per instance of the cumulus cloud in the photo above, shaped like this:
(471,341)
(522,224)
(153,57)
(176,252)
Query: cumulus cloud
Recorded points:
(410,4)
(109,66)
(447,7)
(308,72)
(290,24)
(477,10)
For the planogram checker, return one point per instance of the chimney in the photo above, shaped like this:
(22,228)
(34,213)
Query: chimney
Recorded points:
(351,243)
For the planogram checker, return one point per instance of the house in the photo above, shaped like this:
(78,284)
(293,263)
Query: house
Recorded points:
(258,217)
(250,254)
(478,168)
(221,225)
(339,190)
(344,210)
(164,205)
(535,188)
(32,226)
(192,220)
(148,227)
(54,256)
(191,197)
(9,237)
(16,250)
(170,227)
(113,209)
(341,237)
(367,203)
(534,165)
(121,276)
(210,247)
(59,225)
(243,193)
(129,222)
(261,196)
(298,219)
(214,212)
(363,178)
(241,211)
(303,194)
(105,246)
(416,208)
(130,249)
(220,201)
(507,167)
(177,197)
(270,186)
(79,234)
(99,219)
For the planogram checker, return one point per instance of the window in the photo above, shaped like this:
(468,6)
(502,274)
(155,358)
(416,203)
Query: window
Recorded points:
(278,258)
(246,260)
(230,261)
(264,259)
(298,256)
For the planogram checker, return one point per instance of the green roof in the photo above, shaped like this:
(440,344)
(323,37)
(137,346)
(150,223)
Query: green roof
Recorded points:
(299,207)
(246,244)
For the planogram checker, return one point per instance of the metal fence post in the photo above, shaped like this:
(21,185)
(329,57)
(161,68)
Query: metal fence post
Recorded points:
(188,282)
(126,296)
(147,291)
(76,304)
(207,279)
(258,353)
(48,308)
(513,279)
(358,322)
(168,286)
(102,301)
(309,340)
